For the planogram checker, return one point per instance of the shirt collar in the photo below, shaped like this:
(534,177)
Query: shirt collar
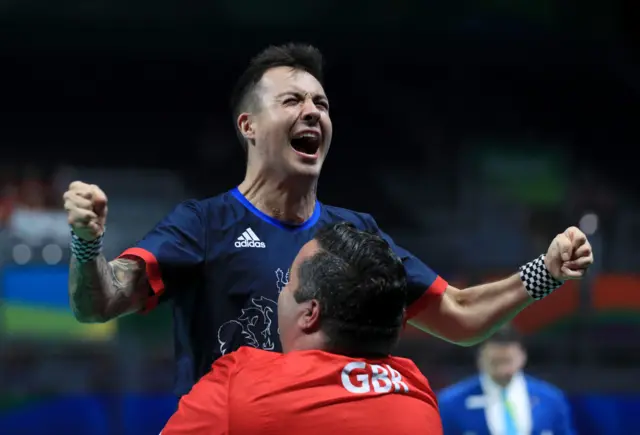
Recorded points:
(491,388)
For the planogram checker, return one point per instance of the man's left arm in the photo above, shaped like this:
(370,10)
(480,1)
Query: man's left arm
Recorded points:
(468,316)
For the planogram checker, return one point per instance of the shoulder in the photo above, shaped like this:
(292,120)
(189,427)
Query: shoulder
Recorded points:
(459,390)
(220,211)
(246,357)
(404,362)
(543,388)
(408,367)
(243,358)
(216,204)
(253,354)
(194,212)
(363,221)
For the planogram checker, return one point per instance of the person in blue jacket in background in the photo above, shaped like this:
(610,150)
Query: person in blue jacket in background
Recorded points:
(501,399)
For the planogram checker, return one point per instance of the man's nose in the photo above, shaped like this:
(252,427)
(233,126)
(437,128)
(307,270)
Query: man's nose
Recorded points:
(310,112)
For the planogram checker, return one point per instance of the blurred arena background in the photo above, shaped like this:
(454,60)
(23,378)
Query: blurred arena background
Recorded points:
(473,131)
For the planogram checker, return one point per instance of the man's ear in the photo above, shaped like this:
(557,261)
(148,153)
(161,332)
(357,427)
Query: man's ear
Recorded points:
(246,125)
(309,321)
(525,356)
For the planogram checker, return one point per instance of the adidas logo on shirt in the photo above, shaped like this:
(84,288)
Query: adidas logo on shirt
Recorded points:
(248,239)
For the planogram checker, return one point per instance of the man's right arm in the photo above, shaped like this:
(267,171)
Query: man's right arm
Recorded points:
(100,290)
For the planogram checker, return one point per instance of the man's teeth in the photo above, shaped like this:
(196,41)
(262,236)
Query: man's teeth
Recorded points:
(307,136)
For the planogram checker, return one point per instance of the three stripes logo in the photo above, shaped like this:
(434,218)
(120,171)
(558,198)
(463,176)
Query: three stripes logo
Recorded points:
(248,239)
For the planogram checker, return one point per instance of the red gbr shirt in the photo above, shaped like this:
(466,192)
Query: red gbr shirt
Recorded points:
(252,391)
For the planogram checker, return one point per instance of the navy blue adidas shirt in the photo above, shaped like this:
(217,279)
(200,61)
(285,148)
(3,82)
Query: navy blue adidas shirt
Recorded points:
(222,263)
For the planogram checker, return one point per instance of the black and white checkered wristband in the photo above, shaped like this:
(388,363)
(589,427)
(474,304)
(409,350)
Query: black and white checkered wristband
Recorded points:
(84,250)
(537,279)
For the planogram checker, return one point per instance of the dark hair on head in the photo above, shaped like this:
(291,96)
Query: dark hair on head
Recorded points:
(293,55)
(505,335)
(360,285)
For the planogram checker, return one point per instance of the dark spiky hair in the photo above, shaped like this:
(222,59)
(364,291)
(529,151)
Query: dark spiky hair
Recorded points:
(294,55)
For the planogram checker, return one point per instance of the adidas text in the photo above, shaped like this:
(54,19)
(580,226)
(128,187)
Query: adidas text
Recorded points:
(249,244)
(249,239)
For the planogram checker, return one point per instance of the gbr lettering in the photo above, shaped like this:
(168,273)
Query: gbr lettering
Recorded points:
(359,377)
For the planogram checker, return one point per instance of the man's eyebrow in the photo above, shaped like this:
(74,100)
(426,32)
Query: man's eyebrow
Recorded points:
(316,96)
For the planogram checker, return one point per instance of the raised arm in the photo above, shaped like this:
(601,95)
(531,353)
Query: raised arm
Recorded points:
(468,316)
(99,290)
(172,252)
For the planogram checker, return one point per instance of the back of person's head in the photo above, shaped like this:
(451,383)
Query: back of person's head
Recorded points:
(296,56)
(360,286)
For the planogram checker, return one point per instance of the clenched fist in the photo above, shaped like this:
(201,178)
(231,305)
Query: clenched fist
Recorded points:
(569,255)
(86,206)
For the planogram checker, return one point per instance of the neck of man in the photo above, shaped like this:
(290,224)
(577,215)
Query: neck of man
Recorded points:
(502,382)
(290,198)
(319,341)
(300,341)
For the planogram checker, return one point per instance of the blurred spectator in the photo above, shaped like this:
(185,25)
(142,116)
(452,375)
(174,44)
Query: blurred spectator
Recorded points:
(32,209)
(501,399)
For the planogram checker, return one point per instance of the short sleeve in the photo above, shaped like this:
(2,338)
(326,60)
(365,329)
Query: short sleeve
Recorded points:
(173,249)
(205,409)
(423,283)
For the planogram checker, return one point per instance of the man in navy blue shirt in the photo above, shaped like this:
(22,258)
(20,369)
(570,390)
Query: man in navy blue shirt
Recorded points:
(222,261)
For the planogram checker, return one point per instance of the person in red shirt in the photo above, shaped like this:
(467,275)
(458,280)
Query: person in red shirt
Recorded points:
(340,315)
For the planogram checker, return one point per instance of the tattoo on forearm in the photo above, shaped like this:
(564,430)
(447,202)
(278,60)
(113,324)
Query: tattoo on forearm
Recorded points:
(99,290)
